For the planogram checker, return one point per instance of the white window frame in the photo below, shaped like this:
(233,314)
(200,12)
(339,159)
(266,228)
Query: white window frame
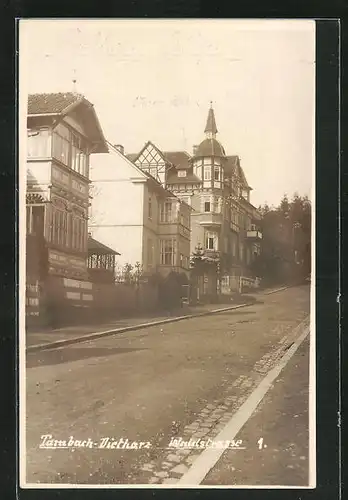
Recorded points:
(210,238)
(204,207)
(207,172)
(172,244)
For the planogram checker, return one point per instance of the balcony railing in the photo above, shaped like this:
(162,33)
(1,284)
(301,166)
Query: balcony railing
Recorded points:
(254,234)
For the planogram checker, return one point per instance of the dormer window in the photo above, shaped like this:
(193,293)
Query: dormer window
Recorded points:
(182,173)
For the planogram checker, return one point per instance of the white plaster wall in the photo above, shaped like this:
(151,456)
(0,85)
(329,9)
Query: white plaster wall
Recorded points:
(116,212)
(125,240)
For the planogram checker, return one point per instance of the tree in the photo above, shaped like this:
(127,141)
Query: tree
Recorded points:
(286,242)
(197,260)
(284,206)
(171,291)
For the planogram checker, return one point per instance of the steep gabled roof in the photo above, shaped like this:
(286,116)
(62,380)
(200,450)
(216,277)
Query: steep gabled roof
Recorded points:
(190,177)
(233,167)
(180,159)
(60,104)
(231,164)
(144,173)
(148,143)
(114,150)
(55,103)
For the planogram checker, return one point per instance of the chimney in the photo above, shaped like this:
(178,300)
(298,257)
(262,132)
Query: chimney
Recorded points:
(195,149)
(119,148)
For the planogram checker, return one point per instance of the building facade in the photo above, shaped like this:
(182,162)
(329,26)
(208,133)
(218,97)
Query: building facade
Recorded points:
(63,131)
(223,220)
(133,212)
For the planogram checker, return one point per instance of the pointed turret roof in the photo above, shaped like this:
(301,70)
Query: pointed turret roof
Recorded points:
(211,123)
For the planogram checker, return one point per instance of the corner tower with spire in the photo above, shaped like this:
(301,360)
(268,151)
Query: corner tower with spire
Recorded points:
(210,128)
(209,156)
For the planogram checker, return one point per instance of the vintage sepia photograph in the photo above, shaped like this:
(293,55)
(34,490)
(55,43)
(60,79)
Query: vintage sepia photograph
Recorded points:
(166,311)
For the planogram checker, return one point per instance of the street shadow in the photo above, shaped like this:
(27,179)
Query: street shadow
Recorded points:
(69,354)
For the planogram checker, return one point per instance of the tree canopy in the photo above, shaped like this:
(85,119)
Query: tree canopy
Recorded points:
(286,243)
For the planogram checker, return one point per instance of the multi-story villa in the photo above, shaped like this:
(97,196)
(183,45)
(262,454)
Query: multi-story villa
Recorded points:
(63,132)
(223,220)
(131,211)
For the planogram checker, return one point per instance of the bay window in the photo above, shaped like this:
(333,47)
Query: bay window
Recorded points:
(70,148)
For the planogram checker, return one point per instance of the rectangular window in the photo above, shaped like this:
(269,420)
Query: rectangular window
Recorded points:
(61,149)
(166,214)
(207,206)
(207,161)
(207,173)
(210,243)
(168,252)
(59,227)
(217,173)
(35,219)
(78,234)
(150,208)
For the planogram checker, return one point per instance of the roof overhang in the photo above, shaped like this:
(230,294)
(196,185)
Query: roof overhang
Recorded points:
(88,115)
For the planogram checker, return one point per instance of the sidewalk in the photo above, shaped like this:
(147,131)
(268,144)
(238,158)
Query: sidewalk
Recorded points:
(37,340)
(276,439)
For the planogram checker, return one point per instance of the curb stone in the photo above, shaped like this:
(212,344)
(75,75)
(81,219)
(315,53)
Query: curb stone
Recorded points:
(115,331)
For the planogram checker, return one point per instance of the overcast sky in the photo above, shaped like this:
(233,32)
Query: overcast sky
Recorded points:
(154,80)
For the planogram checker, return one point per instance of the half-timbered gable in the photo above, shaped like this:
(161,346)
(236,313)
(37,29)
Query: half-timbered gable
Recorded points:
(152,160)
